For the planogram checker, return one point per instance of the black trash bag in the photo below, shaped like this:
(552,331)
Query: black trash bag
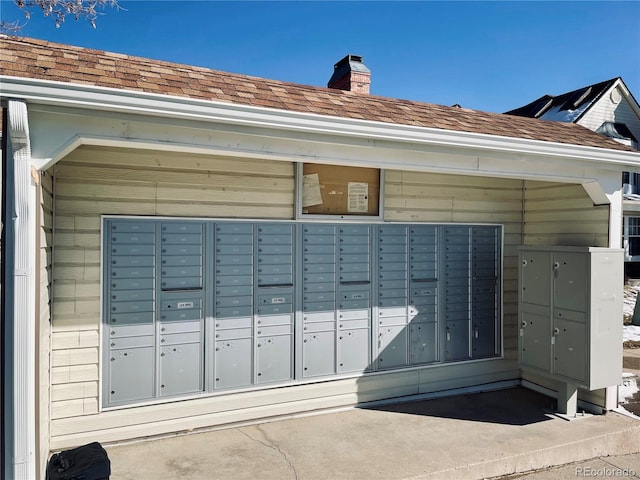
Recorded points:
(89,462)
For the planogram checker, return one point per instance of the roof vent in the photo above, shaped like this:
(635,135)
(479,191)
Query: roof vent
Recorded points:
(351,74)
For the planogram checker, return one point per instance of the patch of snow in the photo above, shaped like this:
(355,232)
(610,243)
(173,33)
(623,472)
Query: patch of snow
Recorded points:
(631,332)
(628,388)
(629,302)
(555,114)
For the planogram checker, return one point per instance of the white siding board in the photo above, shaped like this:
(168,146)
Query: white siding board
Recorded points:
(607,111)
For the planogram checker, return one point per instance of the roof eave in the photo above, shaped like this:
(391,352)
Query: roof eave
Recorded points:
(62,94)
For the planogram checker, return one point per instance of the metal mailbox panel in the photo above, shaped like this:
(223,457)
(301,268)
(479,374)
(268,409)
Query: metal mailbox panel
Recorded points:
(131,330)
(393,302)
(457,340)
(226,323)
(353,247)
(180,369)
(274,309)
(132,260)
(276,279)
(224,272)
(234,312)
(231,280)
(269,320)
(387,321)
(234,363)
(274,330)
(135,249)
(132,295)
(355,258)
(170,239)
(181,271)
(347,229)
(570,358)
(134,318)
(319,307)
(319,354)
(176,250)
(118,238)
(180,338)
(232,249)
(393,257)
(130,283)
(352,323)
(400,274)
(320,249)
(275,229)
(392,284)
(570,287)
(319,287)
(535,337)
(132,226)
(347,277)
(274,359)
(234,239)
(131,375)
(181,327)
(392,346)
(422,343)
(131,307)
(393,267)
(319,297)
(392,293)
(568,315)
(319,277)
(423,317)
(180,315)
(181,227)
(355,313)
(320,326)
(119,342)
(319,229)
(388,247)
(536,280)
(424,290)
(275,299)
(284,249)
(264,259)
(311,268)
(353,350)
(275,239)
(174,261)
(392,312)
(276,270)
(319,316)
(392,230)
(319,258)
(240,290)
(319,239)
(226,260)
(483,338)
(181,283)
(132,272)
(234,333)
(234,228)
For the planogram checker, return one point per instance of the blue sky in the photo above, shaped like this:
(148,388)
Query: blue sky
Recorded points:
(491,56)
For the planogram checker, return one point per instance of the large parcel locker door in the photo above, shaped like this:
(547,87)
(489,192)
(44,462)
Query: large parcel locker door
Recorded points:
(274,305)
(457,292)
(318,299)
(393,302)
(181,325)
(233,309)
(129,277)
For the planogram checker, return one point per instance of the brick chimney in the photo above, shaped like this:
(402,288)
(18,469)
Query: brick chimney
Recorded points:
(351,74)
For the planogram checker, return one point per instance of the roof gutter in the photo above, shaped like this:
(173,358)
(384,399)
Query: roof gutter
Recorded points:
(64,94)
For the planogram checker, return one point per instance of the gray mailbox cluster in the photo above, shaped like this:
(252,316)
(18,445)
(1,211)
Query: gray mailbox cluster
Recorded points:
(195,306)
(571,314)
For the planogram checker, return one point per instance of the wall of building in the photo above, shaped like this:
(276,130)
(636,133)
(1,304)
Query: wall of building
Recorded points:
(95,181)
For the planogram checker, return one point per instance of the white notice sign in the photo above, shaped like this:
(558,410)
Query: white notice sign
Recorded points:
(358,197)
(311,190)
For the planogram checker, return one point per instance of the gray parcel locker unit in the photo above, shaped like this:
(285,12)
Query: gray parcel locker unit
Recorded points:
(570,306)
(196,306)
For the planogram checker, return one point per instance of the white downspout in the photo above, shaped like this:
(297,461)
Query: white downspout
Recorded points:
(20,299)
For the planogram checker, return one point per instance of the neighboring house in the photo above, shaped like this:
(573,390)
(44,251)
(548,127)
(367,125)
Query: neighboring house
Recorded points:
(609,109)
(190,248)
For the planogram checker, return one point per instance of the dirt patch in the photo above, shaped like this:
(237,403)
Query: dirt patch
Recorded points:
(631,344)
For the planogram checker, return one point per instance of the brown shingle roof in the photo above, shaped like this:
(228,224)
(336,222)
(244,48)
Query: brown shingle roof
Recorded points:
(38,59)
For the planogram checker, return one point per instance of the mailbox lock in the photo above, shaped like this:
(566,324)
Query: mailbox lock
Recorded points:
(556,331)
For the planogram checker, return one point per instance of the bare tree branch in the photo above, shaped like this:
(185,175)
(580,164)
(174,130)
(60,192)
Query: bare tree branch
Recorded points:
(58,11)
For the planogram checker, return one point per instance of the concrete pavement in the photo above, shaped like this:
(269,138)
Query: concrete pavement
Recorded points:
(483,435)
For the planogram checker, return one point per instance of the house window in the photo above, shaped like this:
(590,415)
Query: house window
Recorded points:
(632,236)
(332,190)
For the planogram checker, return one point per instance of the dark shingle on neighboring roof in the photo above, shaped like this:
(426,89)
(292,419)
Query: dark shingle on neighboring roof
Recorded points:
(38,59)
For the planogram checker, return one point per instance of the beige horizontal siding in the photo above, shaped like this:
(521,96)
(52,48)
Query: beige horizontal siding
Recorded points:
(94,181)
(563,214)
